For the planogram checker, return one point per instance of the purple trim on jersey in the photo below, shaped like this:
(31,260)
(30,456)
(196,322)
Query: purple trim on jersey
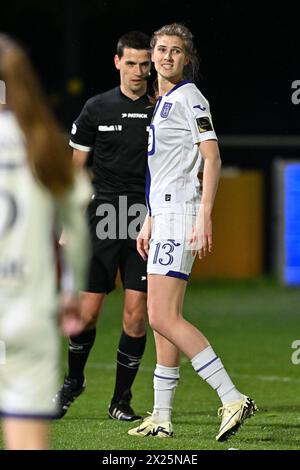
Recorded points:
(156,107)
(147,189)
(207,364)
(166,378)
(152,132)
(3,414)
(178,85)
(178,275)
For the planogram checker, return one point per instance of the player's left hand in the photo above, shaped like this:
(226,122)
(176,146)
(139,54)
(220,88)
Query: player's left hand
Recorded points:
(201,241)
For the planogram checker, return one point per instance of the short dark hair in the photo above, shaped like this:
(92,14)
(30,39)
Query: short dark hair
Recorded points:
(133,40)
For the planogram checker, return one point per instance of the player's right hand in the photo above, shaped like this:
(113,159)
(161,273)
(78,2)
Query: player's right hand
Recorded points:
(142,241)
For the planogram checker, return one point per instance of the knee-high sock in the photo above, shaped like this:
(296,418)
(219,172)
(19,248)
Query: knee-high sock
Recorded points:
(79,350)
(165,382)
(129,355)
(210,368)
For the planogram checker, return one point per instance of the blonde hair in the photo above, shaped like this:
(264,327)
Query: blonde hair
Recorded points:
(47,150)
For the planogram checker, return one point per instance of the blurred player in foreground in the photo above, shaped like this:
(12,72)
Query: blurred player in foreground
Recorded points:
(37,187)
(179,226)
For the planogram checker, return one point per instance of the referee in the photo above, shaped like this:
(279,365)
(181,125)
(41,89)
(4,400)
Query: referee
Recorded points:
(112,129)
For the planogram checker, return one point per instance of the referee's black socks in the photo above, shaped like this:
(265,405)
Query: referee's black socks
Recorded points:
(79,350)
(130,353)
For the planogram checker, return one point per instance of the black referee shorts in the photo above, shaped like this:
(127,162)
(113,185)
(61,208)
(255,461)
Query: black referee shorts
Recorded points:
(111,254)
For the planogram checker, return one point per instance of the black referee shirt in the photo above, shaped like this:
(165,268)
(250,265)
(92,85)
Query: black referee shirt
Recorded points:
(115,129)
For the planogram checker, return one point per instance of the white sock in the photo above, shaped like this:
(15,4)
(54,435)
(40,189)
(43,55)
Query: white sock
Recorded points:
(210,368)
(164,382)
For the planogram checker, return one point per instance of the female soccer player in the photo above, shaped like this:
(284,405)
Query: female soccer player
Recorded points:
(178,226)
(36,183)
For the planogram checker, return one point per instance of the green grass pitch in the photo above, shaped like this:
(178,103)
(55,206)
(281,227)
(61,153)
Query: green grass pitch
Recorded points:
(251,325)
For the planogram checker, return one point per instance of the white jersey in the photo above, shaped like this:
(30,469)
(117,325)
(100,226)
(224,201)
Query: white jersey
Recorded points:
(28,281)
(180,121)
(27,209)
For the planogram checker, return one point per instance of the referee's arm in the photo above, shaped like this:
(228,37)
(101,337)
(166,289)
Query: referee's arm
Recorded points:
(79,158)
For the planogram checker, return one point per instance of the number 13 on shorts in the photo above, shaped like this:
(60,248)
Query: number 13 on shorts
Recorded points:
(165,252)
(168,257)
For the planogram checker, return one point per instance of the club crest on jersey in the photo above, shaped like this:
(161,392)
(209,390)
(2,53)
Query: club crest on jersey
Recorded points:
(166,109)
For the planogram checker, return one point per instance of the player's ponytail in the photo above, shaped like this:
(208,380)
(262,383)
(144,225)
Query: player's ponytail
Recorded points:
(47,150)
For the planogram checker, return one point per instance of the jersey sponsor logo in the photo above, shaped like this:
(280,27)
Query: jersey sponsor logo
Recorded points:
(112,128)
(134,115)
(202,108)
(74,129)
(166,110)
(204,124)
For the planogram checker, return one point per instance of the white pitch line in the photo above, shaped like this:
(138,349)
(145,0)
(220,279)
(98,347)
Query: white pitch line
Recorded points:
(267,378)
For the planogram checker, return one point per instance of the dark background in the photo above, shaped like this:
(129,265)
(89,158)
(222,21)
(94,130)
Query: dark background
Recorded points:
(249,52)
(249,58)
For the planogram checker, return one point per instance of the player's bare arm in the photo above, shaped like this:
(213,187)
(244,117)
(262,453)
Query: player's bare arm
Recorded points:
(202,233)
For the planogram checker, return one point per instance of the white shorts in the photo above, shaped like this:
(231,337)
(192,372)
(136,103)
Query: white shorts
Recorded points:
(170,253)
(29,350)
